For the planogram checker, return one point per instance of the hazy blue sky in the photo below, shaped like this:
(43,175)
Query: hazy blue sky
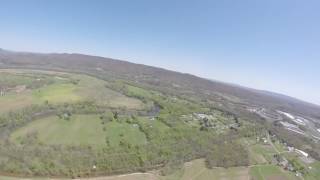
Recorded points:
(265,44)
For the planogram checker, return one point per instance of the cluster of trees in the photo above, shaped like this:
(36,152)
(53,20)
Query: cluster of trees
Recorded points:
(14,120)
(171,151)
(166,103)
(228,154)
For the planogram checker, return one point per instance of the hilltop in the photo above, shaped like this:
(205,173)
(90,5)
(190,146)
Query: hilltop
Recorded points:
(156,78)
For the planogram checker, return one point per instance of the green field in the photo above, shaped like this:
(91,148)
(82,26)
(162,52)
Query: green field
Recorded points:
(262,153)
(58,88)
(79,130)
(266,172)
(259,153)
(116,132)
(57,93)
(256,158)
(314,172)
(197,170)
(14,79)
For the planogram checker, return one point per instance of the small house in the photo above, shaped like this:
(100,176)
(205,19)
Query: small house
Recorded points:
(284,163)
(290,149)
(265,140)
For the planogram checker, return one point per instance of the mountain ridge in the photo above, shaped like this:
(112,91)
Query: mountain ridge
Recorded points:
(154,77)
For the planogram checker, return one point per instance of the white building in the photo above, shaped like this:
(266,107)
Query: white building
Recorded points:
(265,140)
(290,149)
(201,116)
(302,153)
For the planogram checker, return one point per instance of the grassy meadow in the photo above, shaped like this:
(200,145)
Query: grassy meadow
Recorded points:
(79,130)
(272,172)
(46,87)
(197,170)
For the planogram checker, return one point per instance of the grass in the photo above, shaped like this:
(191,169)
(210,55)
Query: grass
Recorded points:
(116,132)
(256,158)
(11,79)
(95,89)
(136,91)
(57,93)
(279,146)
(264,172)
(63,89)
(12,102)
(156,125)
(314,173)
(237,173)
(80,130)
(263,150)
(259,153)
(197,170)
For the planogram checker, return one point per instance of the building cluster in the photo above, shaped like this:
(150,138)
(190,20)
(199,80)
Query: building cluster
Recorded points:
(289,166)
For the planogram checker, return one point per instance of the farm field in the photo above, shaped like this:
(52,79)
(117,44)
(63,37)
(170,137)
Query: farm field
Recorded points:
(256,158)
(80,130)
(197,170)
(23,88)
(314,173)
(57,93)
(262,153)
(270,172)
(259,152)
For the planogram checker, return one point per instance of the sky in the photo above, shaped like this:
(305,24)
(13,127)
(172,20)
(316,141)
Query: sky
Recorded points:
(264,44)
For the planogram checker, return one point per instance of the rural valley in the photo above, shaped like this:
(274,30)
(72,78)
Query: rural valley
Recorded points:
(77,116)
